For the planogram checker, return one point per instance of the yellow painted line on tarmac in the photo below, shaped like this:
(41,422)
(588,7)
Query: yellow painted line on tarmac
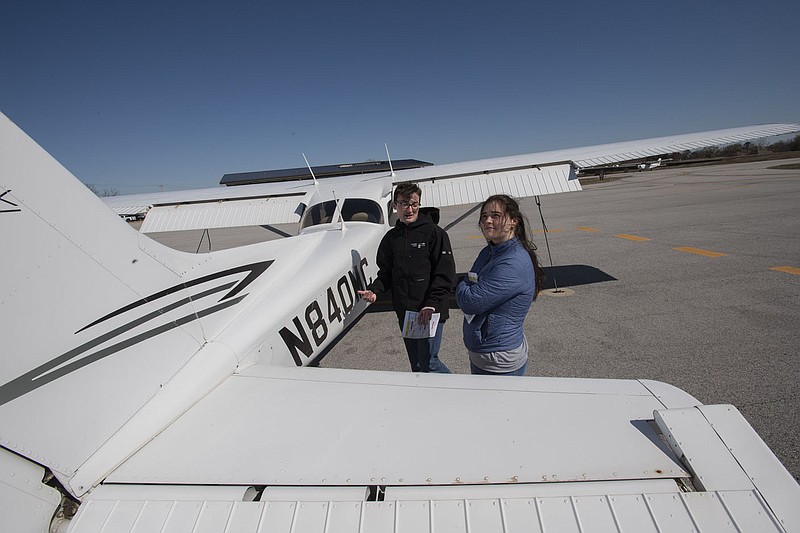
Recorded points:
(586,228)
(787,269)
(631,237)
(698,251)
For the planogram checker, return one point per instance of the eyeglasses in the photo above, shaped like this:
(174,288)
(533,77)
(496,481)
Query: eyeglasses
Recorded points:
(406,205)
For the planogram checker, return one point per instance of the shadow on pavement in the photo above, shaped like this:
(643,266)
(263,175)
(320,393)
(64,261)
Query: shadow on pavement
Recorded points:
(558,276)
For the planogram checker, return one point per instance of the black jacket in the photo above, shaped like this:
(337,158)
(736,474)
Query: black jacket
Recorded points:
(415,261)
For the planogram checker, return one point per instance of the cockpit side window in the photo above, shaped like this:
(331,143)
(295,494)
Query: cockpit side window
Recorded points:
(353,210)
(321,213)
(362,210)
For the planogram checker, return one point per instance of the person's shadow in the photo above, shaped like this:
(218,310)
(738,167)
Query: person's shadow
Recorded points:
(556,277)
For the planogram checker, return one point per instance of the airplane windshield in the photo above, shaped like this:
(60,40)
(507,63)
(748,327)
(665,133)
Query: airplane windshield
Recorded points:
(353,210)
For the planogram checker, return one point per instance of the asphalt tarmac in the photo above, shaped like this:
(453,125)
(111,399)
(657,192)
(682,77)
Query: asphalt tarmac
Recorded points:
(724,328)
(689,276)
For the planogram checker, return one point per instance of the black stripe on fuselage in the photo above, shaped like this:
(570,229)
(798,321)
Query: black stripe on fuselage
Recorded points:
(61,365)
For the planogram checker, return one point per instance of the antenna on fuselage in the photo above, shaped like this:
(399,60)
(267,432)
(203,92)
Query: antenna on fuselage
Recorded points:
(391,169)
(311,170)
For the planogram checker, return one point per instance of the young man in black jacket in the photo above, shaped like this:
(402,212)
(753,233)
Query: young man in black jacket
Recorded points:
(415,261)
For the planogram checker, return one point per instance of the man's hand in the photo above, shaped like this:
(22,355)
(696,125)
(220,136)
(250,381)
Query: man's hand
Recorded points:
(425,314)
(369,296)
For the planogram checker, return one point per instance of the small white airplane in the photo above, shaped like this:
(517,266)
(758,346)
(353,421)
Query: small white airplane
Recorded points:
(146,389)
(650,165)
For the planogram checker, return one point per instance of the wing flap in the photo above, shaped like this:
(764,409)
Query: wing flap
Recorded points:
(519,183)
(222,214)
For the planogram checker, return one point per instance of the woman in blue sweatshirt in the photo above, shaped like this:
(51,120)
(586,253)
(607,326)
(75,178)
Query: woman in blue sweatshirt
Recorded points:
(499,290)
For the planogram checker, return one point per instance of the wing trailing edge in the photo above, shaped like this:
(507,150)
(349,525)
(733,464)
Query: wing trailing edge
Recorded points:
(518,183)
(222,214)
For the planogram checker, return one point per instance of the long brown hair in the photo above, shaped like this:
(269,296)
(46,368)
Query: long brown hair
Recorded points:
(511,210)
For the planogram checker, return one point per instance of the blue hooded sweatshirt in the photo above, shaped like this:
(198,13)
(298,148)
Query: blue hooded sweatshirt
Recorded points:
(500,298)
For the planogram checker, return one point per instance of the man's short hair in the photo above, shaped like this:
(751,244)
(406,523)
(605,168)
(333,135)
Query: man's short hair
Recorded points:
(406,190)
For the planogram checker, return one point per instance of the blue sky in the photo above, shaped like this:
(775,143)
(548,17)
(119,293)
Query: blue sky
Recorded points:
(140,96)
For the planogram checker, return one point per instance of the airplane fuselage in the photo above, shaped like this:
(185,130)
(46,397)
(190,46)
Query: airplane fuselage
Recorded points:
(328,303)
(307,298)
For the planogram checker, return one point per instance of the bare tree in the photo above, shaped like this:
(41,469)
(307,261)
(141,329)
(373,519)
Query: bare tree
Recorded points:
(107,191)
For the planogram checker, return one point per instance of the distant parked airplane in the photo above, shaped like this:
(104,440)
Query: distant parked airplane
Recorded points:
(650,165)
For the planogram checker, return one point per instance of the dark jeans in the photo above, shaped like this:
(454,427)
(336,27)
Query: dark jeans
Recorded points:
(423,354)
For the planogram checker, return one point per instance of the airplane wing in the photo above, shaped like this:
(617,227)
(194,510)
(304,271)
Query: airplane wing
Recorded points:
(469,182)
(146,389)
(321,450)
